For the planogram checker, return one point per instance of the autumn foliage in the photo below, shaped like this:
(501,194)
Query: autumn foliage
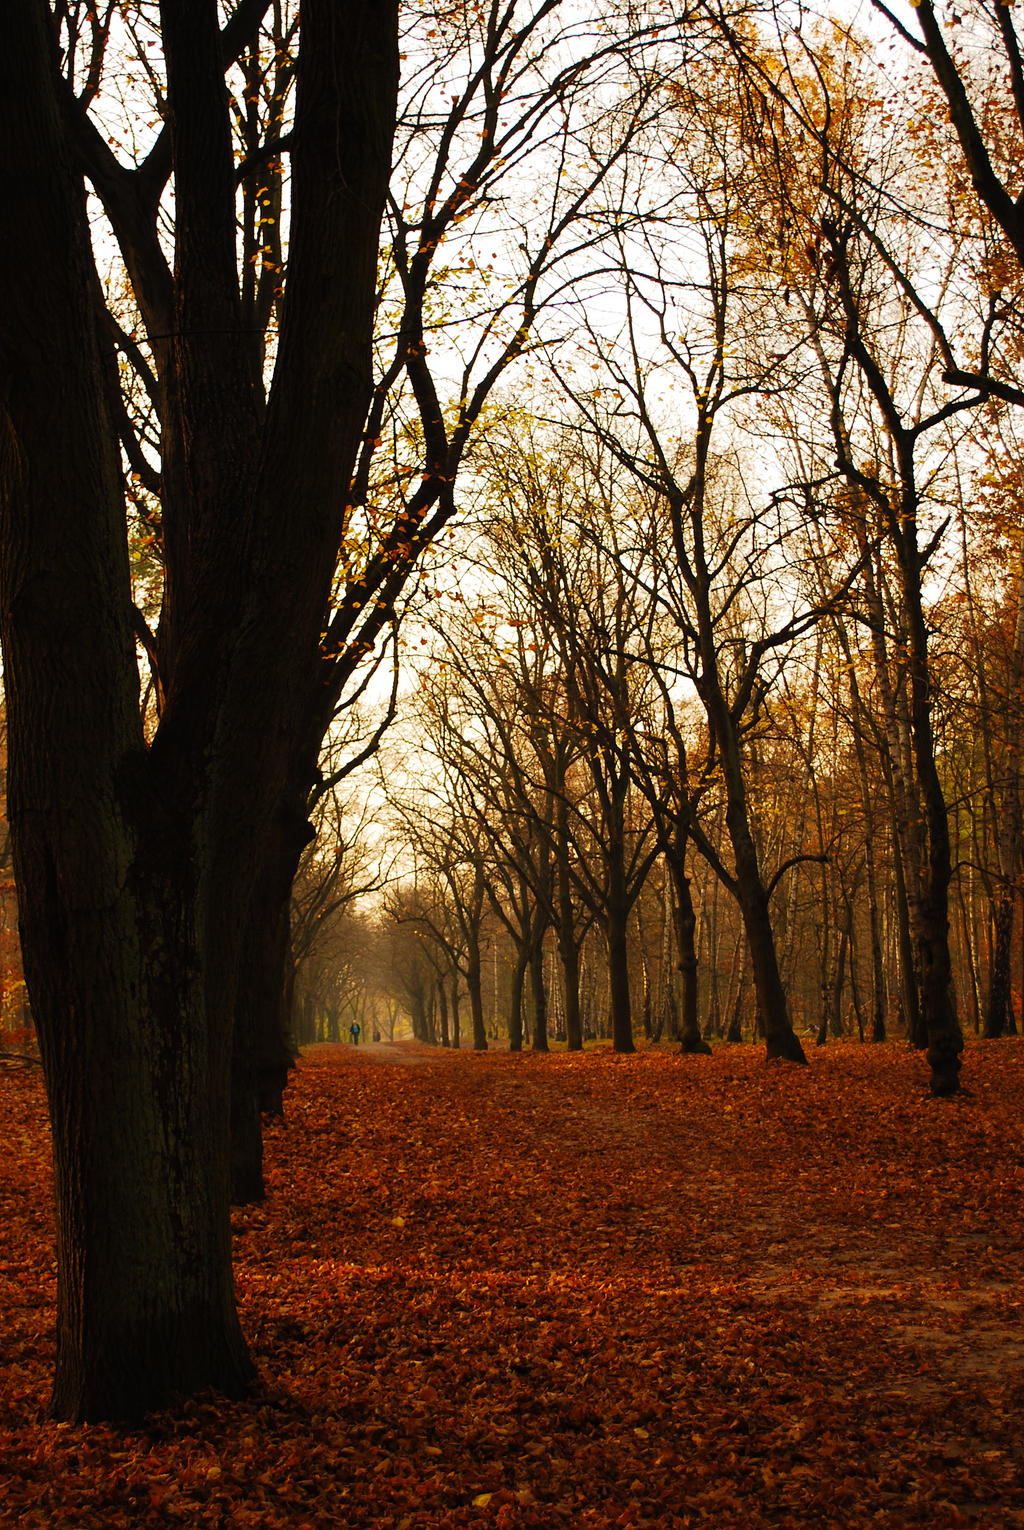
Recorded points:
(581,1291)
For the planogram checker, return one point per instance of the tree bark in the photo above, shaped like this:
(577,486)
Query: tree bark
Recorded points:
(772,1007)
(690,1037)
(999,1006)
(568,943)
(456,1013)
(616,933)
(515,1016)
(137,863)
(878,985)
(263,1049)
(136,1065)
(938,1003)
(474,984)
(538,988)
(442,999)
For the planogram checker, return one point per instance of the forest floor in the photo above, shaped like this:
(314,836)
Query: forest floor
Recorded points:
(578,1291)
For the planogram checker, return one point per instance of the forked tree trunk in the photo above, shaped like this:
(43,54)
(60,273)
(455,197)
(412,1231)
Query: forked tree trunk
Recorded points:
(107,856)
(137,864)
(772,1006)
(781,1041)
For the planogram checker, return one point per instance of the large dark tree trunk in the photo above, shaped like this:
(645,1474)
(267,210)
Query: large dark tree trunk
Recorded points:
(137,865)
(108,864)
(262,1050)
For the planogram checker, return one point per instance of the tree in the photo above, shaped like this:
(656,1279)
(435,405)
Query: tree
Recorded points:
(328,939)
(13,1007)
(586,610)
(879,350)
(412,975)
(695,324)
(134,863)
(985,106)
(477,709)
(155,853)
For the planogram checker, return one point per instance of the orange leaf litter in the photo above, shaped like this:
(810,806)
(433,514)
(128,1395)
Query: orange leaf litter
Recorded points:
(578,1291)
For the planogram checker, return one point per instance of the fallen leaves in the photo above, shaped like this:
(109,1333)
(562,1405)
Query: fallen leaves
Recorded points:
(654,1291)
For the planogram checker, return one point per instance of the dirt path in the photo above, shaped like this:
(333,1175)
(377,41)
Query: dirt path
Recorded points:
(405,1054)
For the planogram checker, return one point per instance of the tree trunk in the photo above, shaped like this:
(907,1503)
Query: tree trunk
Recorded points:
(772,1007)
(515,1013)
(136,1065)
(538,988)
(690,1038)
(418,1015)
(668,1018)
(998,1007)
(945,1039)
(910,999)
(456,1012)
(879,990)
(262,1049)
(645,977)
(616,935)
(474,984)
(568,944)
(442,999)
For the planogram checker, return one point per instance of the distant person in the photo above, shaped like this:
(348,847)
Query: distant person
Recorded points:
(353,1031)
(376,1034)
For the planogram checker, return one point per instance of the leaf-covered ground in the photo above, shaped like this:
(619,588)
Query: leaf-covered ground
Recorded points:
(648,1291)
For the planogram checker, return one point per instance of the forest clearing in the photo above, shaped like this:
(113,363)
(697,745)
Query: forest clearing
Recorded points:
(585,1290)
